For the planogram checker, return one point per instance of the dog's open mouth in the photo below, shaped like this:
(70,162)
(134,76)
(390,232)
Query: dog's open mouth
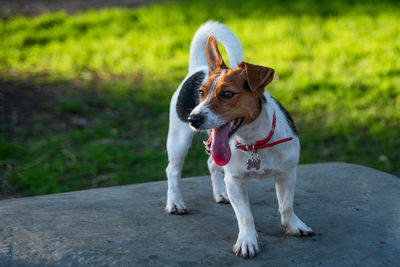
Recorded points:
(218,142)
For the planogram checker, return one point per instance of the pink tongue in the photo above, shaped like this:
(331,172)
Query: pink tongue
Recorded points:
(220,150)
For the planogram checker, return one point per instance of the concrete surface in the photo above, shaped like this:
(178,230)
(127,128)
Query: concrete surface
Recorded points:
(354,210)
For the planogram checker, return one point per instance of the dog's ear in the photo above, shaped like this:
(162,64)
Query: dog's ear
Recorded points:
(214,58)
(257,76)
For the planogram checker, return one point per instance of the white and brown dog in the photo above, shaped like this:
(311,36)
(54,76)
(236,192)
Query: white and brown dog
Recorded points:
(251,134)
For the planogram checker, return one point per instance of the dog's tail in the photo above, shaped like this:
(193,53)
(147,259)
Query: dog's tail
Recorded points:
(223,35)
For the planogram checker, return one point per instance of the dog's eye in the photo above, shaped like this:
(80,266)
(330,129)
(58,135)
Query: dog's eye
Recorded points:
(227,94)
(201,92)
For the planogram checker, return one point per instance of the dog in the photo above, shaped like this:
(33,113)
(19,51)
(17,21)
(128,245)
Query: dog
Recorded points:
(250,134)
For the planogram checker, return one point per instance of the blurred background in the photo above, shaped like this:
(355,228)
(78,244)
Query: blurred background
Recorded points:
(85,85)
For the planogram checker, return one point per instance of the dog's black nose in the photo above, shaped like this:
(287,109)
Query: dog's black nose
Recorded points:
(196,120)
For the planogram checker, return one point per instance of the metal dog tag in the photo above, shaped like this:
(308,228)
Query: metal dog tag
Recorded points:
(254,161)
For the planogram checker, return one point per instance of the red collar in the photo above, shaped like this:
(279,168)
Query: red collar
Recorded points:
(264,143)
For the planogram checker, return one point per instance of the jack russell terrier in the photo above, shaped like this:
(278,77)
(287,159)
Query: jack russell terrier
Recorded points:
(251,134)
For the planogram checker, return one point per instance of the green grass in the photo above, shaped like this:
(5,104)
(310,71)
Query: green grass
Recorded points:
(113,71)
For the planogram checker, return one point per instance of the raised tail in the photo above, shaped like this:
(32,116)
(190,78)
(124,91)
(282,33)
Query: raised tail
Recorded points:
(223,35)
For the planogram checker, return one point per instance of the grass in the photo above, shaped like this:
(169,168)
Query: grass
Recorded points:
(86,95)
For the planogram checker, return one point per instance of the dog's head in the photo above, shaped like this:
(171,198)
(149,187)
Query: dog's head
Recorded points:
(229,99)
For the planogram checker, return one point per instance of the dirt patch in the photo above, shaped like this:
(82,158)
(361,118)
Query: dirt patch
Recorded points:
(24,103)
(34,7)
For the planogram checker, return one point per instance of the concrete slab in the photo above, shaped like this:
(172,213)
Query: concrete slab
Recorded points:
(354,210)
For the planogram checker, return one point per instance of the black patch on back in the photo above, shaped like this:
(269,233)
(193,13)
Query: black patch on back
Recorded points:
(287,116)
(188,97)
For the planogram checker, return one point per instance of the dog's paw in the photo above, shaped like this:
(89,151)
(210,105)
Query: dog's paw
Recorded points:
(297,228)
(176,207)
(246,246)
(222,198)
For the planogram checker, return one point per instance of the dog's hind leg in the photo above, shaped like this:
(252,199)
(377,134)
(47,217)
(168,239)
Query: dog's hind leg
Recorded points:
(179,140)
(285,183)
(218,184)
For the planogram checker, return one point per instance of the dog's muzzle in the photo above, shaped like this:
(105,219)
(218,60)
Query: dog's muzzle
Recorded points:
(196,120)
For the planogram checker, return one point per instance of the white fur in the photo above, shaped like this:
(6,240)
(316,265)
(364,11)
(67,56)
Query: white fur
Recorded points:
(279,161)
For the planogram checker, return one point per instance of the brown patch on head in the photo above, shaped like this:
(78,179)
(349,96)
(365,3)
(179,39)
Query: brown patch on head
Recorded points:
(235,93)
(242,104)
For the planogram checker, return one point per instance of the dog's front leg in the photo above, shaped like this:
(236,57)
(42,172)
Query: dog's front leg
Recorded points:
(285,183)
(246,244)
